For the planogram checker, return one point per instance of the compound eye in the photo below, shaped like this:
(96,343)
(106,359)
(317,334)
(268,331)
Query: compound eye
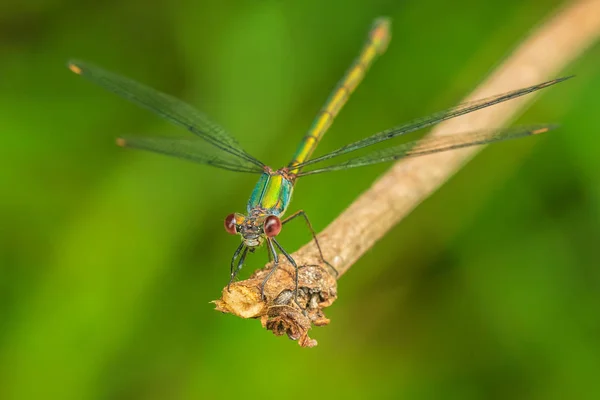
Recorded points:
(230,225)
(272,226)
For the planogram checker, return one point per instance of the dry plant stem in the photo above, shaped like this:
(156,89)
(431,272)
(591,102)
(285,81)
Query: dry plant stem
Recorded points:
(540,57)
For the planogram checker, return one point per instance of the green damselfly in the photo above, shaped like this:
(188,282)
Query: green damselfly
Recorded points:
(272,194)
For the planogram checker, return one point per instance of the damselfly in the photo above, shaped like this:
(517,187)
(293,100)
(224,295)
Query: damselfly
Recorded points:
(272,194)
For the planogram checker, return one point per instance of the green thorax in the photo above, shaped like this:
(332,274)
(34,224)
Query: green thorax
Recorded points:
(272,193)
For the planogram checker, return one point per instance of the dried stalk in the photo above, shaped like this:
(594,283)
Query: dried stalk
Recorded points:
(540,57)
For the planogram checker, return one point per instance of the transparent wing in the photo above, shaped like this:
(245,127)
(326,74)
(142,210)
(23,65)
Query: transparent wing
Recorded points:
(166,106)
(434,145)
(194,150)
(430,120)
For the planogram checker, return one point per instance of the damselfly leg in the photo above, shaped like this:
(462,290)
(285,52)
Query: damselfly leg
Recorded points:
(314,235)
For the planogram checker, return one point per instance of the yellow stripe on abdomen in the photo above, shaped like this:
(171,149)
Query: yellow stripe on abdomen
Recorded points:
(379,37)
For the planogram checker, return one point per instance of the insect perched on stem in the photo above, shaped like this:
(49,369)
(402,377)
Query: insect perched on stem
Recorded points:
(271,196)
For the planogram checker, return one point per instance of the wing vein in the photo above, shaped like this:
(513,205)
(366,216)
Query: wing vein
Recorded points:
(430,120)
(165,106)
(434,145)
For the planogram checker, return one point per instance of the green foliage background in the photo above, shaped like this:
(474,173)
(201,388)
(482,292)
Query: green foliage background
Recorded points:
(109,257)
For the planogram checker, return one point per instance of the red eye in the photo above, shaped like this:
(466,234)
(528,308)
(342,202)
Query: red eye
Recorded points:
(230,226)
(272,226)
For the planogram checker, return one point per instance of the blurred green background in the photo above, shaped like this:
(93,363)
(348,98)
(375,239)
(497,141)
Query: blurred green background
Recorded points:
(109,257)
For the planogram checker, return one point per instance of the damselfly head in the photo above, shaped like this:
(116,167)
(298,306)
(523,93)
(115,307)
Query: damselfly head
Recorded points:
(252,228)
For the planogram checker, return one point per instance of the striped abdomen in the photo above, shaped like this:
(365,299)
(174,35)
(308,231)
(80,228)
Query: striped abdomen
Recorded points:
(379,36)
